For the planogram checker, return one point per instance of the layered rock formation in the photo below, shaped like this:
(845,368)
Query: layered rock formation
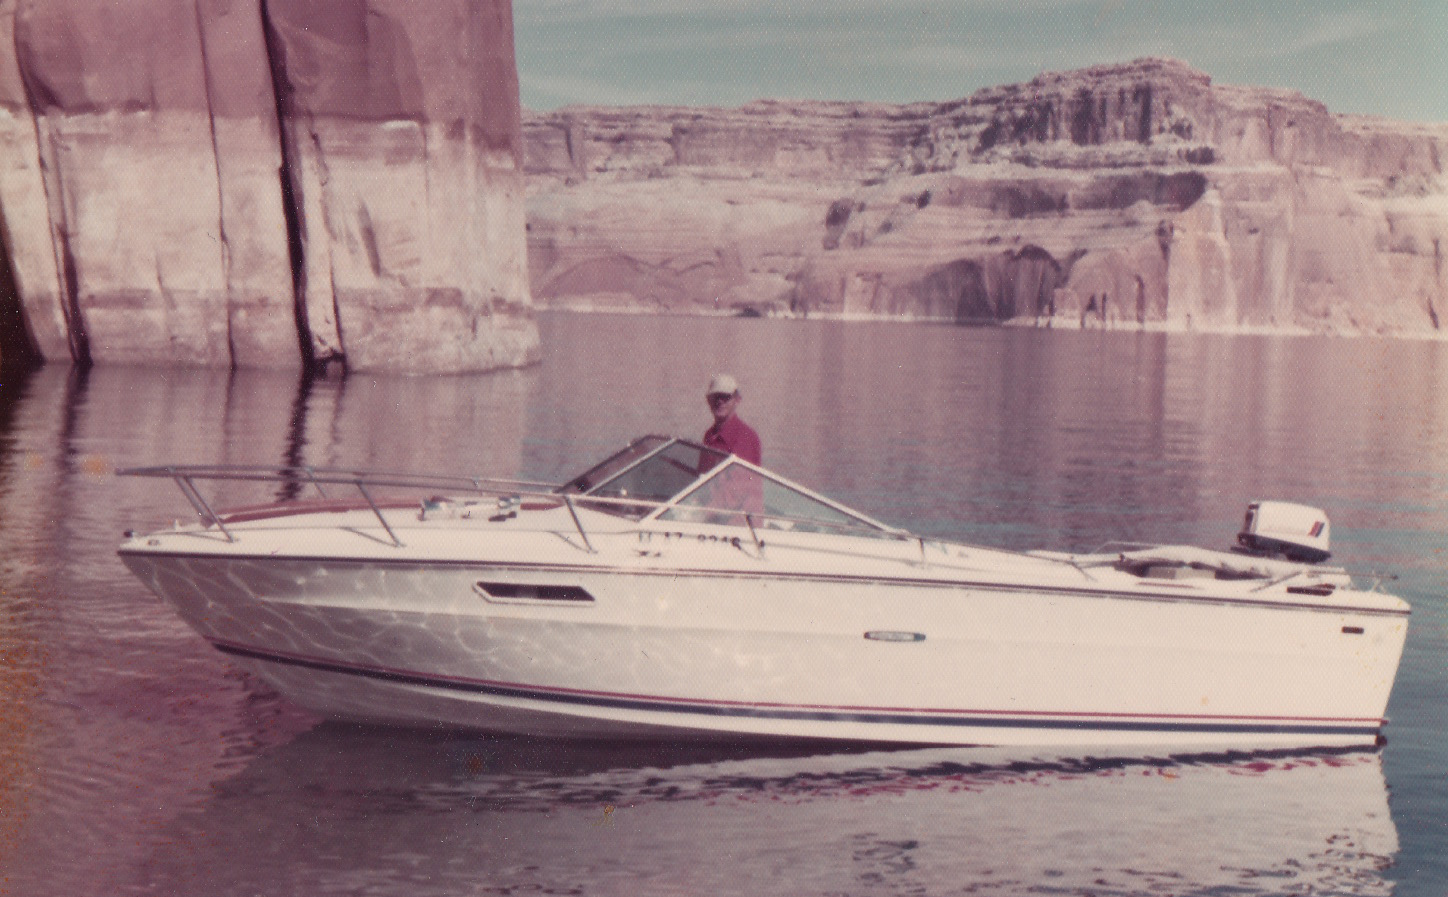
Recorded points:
(1127,195)
(263,183)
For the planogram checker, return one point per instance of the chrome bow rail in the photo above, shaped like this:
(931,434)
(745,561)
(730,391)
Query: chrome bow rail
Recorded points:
(186,475)
(510,493)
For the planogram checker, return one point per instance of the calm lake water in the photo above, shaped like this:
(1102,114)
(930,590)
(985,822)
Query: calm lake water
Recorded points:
(135,760)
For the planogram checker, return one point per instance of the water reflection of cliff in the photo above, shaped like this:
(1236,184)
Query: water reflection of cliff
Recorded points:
(462,424)
(113,715)
(25,480)
(342,810)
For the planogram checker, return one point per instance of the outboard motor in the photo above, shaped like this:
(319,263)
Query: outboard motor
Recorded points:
(1296,532)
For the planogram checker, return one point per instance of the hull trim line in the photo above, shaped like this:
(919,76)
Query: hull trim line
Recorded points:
(954,718)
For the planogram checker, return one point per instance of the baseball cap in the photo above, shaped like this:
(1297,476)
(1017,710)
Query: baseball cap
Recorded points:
(722,383)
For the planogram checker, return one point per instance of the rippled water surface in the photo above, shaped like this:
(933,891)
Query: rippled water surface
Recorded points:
(134,759)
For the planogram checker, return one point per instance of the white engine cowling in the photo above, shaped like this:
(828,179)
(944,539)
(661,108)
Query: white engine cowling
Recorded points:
(1297,532)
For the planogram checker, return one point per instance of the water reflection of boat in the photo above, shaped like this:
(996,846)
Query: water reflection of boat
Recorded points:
(671,590)
(373,811)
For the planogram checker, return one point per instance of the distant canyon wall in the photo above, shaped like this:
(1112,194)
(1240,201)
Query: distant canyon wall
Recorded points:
(1138,194)
(263,183)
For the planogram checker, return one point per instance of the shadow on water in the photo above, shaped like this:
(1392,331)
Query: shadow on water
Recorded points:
(347,809)
(21,655)
(536,773)
(445,754)
(15,386)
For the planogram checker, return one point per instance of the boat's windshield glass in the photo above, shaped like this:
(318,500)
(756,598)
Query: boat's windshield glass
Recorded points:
(609,467)
(653,469)
(738,490)
(714,488)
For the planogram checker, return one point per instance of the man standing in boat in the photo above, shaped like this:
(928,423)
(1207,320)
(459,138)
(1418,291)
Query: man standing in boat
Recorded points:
(729,434)
(737,489)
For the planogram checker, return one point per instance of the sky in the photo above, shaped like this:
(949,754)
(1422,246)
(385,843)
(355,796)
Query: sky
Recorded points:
(1377,58)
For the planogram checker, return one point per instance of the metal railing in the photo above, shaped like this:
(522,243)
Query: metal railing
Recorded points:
(757,523)
(186,476)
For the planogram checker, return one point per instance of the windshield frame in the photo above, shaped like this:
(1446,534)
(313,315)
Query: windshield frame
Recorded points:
(623,464)
(859,520)
(651,510)
(586,482)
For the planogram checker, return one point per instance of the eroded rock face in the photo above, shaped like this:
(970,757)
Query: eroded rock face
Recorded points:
(266,182)
(129,179)
(1135,194)
(402,135)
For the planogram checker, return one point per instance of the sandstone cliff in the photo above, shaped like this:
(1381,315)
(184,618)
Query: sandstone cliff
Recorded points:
(263,183)
(1127,195)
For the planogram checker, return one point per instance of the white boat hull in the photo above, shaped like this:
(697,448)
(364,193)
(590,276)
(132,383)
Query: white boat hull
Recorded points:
(688,638)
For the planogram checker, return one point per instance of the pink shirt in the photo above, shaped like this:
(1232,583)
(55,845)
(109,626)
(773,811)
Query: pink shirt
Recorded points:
(735,437)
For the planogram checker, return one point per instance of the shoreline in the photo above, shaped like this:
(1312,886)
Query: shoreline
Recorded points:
(1021,323)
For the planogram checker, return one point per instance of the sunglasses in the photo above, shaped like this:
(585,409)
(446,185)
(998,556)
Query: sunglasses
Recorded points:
(719,398)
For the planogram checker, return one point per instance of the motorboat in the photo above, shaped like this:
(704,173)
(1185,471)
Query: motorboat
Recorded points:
(672,591)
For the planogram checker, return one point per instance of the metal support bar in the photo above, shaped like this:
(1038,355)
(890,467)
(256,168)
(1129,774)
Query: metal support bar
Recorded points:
(568,500)
(378,511)
(208,516)
(758,543)
(312,476)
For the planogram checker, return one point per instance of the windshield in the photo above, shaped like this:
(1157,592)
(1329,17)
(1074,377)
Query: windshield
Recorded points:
(712,487)
(739,495)
(610,466)
(652,469)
